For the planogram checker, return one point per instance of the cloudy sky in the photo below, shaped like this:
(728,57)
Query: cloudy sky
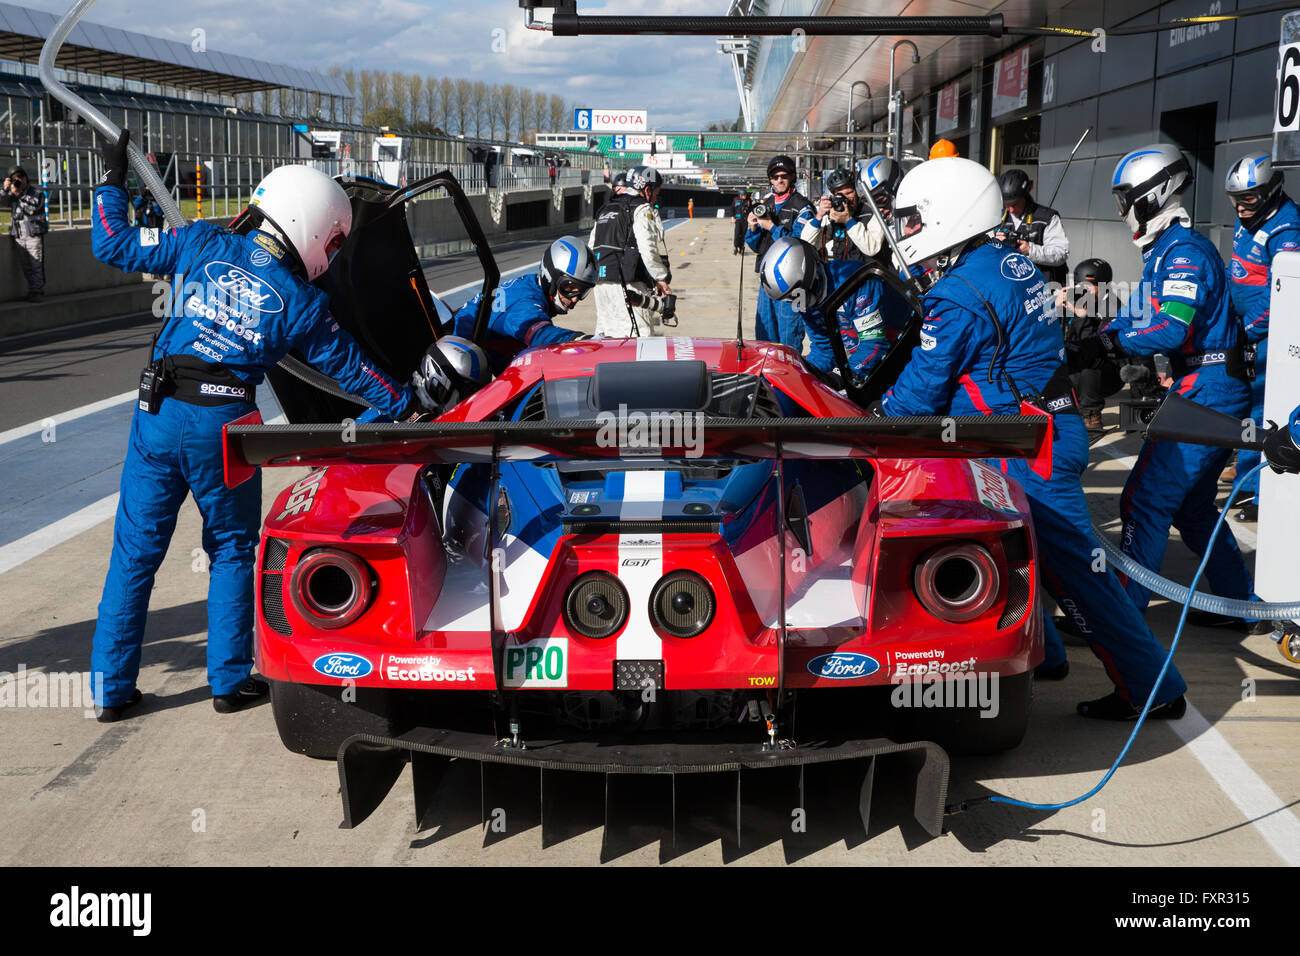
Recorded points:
(684,82)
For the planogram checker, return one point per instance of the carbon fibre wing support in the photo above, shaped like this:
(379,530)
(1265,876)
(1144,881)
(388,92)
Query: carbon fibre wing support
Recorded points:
(956,436)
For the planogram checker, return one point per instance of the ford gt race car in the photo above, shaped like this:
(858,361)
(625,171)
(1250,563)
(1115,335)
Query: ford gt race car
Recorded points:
(667,556)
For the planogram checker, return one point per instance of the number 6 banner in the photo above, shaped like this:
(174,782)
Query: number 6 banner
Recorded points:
(1286,107)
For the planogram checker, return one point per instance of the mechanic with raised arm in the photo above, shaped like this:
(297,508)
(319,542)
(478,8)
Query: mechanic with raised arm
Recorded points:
(1268,222)
(782,208)
(991,339)
(631,255)
(1180,309)
(1047,246)
(238,304)
(523,308)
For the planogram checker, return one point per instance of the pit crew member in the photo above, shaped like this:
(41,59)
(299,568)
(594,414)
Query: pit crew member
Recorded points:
(965,367)
(523,308)
(631,253)
(1180,308)
(1268,222)
(238,304)
(1282,446)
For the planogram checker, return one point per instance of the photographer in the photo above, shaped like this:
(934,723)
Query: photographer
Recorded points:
(631,256)
(1087,306)
(28,227)
(1034,230)
(774,217)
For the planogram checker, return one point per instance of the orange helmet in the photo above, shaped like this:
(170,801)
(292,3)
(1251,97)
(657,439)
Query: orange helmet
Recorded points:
(943,147)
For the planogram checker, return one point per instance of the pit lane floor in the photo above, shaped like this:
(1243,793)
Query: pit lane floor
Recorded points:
(178,784)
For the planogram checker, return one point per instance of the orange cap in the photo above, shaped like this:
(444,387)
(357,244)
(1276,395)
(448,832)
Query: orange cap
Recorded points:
(943,147)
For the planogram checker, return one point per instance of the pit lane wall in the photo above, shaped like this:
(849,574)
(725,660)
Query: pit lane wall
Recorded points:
(79,288)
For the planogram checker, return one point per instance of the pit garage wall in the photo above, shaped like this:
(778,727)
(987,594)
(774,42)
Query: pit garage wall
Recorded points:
(1230,70)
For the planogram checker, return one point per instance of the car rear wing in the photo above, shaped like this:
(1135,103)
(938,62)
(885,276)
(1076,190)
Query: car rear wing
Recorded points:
(671,435)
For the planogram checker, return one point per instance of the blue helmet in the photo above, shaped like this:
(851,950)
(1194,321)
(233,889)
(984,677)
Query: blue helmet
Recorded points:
(567,264)
(1252,179)
(792,270)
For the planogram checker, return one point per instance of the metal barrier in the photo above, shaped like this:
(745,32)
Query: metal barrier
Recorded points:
(224,182)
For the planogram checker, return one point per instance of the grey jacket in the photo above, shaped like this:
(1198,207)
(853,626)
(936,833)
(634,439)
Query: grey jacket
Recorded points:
(28,211)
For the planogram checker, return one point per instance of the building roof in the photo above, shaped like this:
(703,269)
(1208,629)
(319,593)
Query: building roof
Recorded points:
(108,51)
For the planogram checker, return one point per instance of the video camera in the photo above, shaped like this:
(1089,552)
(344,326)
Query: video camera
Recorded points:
(1031,232)
(664,305)
(1145,392)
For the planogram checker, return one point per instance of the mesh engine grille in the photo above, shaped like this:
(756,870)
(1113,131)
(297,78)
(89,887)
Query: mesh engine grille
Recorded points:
(273,603)
(1017,596)
(275,554)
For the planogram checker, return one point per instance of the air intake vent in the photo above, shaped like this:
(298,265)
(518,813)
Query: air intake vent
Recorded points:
(534,409)
(640,527)
(273,602)
(274,555)
(1017,596)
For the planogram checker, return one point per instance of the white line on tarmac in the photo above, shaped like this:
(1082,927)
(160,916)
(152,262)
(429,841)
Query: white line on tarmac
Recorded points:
(1243,786)
(1253,797)
(38,542)
(64,417)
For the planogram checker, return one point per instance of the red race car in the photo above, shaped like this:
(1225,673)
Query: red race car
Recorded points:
(626,556)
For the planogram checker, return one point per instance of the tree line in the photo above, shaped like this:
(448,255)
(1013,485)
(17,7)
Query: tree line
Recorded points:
(422,104)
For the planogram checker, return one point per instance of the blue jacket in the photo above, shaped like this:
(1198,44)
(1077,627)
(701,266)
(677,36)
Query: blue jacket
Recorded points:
(1182,307)
(1252,255)
(236,303)
(754,237)
(520,319)
(949,372)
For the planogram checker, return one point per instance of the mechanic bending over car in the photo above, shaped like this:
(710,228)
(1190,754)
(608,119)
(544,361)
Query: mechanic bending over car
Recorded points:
(1180,308)
(1268,222)
(777,320)
(238,304)
(990,339)
(522,309)
(631,254)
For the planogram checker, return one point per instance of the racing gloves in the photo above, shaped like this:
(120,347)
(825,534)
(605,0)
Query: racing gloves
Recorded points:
(1092,351)
(115,161)
(1281,451)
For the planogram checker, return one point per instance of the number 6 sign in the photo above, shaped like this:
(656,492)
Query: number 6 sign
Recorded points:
(1287,118)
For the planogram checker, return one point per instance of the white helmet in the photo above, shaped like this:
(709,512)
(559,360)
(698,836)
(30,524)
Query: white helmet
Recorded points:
(952,200)
(309,210)
(1146,181)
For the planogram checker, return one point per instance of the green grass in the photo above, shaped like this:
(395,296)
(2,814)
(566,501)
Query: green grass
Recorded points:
(189,208)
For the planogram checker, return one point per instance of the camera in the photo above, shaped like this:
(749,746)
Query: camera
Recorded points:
(760,210)
(664,305)
(1031,232)
(838,202)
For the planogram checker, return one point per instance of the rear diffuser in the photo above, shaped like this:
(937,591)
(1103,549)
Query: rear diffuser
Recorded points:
(370,765)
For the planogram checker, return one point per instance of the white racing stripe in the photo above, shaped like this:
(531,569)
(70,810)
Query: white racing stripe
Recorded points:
(1265,810)
(52,535)
(651,348)
(641,560)
(64,417)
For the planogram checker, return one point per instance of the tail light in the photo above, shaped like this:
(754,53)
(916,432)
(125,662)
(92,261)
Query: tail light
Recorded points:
(330,588)
(957,582)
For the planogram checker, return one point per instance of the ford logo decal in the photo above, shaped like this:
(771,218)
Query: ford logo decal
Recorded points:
(843,666)
(1016,266)
(243,288)
(342,666)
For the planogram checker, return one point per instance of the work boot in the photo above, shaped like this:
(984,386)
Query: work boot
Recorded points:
(1059,672)
(111,715)
(1229,474)
(253,691)
(1115,707)
(1092,422)
(1248,512)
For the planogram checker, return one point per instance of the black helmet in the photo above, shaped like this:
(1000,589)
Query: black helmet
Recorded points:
(640,178)
(619,180)
(1014,184)
(1092,270)
(838,179)
(781,164)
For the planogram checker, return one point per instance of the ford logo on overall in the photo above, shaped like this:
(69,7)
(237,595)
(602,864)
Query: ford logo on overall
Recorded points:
(243,287)
(342,666)
(843,666)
